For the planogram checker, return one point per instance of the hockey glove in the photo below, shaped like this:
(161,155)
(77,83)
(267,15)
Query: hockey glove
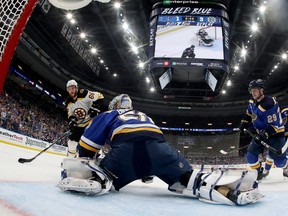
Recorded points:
(261,136)
(92,112)
(72,123)
(244,125)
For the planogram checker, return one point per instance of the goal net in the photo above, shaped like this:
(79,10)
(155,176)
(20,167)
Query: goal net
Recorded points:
(14,15)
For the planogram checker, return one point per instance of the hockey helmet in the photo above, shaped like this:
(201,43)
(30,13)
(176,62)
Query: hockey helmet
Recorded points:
(259,83)
(122,101)
(72,83)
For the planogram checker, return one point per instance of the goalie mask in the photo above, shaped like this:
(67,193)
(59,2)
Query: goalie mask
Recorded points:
(122,101)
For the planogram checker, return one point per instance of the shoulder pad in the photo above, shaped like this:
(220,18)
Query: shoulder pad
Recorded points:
(267,103)
(82,93)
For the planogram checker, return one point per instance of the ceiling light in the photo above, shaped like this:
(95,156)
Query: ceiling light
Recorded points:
(72,21)
(223,91)
(243,52)
(125,25)
(236,67)
(117,5)
(86,41)
(262,8)
(152,89)
(276,66)
(254,27)
(284,56)
(101,61)
(115,75)
(134,48)
(82,35)
(141,64)
(229,123)
(209,147)
(187,123)
(186,147)
(93,50)
(164,122)
(209,124)
(106,68)
(229,83)
(147,80)
(69,16)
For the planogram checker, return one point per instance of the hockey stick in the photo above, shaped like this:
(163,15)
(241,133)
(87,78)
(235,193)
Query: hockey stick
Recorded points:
(23,160)
(277,152)
(235,150)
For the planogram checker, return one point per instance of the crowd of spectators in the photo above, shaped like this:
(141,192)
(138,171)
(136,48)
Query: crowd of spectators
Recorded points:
(21,113)
(29,114)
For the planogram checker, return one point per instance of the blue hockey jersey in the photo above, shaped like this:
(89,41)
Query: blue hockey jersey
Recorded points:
(265,115)
(116,126)
(284,115)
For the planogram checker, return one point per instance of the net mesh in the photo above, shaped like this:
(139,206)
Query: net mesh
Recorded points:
(10,11)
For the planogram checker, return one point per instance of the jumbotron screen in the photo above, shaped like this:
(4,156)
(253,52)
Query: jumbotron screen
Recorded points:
(184,36)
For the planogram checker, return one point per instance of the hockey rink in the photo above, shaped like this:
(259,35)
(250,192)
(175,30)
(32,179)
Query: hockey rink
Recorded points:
(29,190)
(173,43)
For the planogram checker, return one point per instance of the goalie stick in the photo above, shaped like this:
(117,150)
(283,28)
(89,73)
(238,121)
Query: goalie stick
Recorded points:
(23,160)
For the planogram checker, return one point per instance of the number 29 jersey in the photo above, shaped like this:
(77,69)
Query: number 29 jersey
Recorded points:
(119,126)
(266,115)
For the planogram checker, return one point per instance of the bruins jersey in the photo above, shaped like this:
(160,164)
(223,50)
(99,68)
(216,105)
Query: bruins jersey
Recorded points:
(81,105)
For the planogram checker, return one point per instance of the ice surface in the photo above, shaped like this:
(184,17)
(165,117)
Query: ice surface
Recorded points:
(29,190)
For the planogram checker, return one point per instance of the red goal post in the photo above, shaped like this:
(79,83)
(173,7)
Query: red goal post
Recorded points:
(14,15)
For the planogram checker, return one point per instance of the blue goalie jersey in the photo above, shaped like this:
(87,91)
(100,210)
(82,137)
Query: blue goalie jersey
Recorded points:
(117,126)
(266,115)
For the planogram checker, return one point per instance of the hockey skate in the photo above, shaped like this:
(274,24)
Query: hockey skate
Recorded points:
(285,172)
(264,173)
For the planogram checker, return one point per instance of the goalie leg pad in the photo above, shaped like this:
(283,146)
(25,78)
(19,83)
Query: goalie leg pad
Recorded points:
(84,176)
(224,187)
(87,186)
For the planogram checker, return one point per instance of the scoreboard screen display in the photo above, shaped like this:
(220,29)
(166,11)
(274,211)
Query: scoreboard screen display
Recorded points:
(185,36)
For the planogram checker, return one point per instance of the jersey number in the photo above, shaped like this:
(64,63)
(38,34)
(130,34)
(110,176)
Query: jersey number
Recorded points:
(271,118)
(136,115)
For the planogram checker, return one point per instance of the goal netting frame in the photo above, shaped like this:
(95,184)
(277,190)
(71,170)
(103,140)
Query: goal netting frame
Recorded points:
(14,15)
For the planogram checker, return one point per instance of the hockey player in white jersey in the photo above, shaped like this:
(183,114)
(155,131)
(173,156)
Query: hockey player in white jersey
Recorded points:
(138,149)
(82,106)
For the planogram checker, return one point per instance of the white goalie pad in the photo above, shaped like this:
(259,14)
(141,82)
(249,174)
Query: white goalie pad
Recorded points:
(87,186)
(230,179)
(226,181)
(73,4)
(76,168)
(84,176)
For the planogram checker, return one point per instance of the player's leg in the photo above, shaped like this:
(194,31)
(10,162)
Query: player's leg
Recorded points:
(252,157)
(74,138)
(279,160)
(220,186)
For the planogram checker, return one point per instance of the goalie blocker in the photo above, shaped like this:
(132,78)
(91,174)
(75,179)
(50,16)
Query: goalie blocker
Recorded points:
(228,187)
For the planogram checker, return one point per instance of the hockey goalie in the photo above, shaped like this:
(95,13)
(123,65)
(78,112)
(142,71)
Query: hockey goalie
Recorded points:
(138,150)
(204,39)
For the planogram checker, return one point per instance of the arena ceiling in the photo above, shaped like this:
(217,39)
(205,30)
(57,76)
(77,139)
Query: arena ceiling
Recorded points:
(103,27)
